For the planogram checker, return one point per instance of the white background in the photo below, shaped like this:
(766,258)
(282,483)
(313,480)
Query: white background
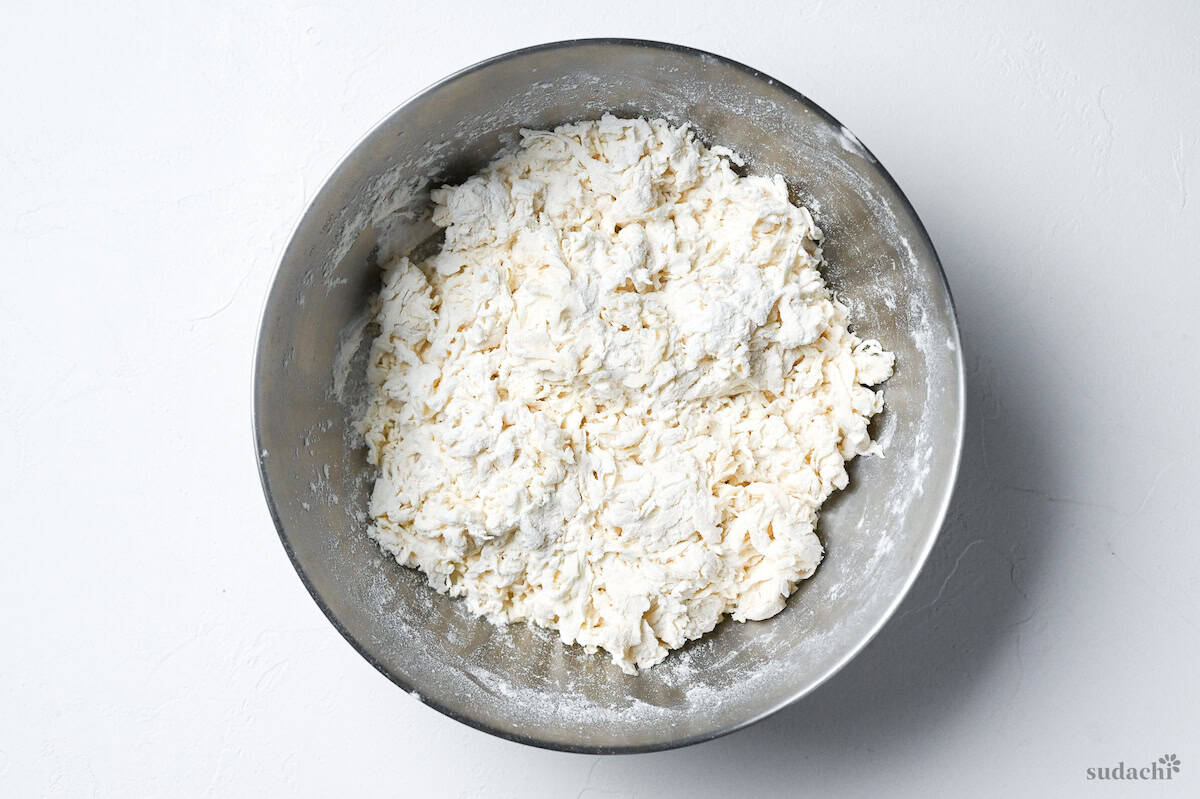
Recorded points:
(155,640)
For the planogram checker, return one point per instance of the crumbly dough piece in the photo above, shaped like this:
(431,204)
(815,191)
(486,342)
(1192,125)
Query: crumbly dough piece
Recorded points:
(614,401)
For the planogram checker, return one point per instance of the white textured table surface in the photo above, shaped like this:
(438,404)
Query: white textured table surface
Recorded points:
(157,642)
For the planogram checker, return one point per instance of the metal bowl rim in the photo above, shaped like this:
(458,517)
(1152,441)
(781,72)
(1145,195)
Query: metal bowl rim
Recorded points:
(853,651)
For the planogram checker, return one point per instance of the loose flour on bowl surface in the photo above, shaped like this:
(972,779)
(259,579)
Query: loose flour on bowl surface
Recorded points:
(614,401)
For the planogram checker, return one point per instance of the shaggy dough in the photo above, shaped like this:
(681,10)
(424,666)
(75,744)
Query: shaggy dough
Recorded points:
(613,402)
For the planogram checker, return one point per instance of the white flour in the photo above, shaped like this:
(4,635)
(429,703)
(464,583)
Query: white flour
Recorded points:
(614,401)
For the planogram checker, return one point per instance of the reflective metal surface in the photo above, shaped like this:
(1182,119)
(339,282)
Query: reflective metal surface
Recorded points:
(522,683)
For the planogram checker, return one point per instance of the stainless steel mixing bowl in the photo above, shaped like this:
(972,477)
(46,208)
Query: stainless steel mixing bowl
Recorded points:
(519,682)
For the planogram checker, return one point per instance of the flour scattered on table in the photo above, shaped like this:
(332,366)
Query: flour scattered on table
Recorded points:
(614,401)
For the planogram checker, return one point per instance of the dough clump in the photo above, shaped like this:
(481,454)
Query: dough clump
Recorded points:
(614,401)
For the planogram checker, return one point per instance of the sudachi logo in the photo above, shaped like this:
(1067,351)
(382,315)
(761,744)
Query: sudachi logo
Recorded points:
(1165,768)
